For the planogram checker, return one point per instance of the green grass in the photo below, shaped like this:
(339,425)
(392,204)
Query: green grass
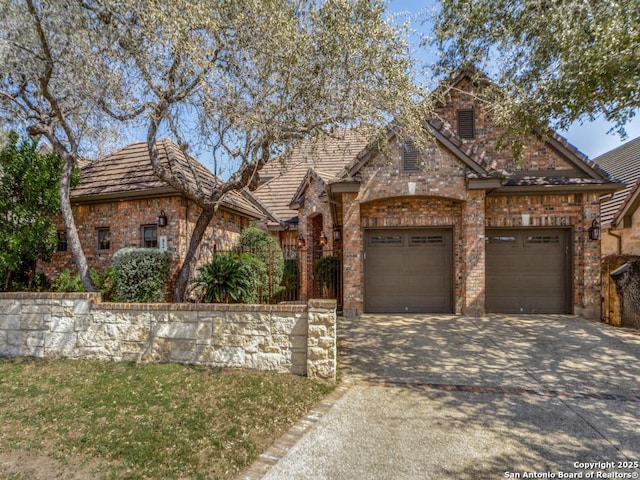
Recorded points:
(147,421)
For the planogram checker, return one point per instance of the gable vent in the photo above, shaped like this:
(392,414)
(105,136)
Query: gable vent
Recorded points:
(410,157)
(466,124)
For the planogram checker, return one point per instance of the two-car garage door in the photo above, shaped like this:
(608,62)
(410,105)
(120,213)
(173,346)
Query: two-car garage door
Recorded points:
(411,270)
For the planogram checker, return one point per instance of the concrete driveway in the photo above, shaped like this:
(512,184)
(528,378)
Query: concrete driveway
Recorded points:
(445,397)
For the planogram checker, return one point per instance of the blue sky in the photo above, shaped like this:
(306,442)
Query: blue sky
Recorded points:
(591,138)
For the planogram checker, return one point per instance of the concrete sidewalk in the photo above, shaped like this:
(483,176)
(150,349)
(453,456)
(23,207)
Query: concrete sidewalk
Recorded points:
(477,398)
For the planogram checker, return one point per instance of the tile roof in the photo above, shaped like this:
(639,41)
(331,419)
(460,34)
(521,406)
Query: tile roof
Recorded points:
(128,173)
(283,176)
(622,164)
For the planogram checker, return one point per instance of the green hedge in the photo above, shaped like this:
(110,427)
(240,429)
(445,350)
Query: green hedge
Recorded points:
(142,274)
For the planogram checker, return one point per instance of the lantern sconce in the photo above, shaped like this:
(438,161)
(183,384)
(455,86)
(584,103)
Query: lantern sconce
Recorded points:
(300,241)
(162,219)
(337,233)
(594,231)
(323,239)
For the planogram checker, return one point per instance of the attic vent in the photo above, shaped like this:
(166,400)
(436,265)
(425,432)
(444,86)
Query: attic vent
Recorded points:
(410,157)
(466,124)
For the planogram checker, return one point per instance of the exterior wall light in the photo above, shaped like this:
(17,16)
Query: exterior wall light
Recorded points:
(162,219)
(300,241)
(337,233)
(323,239)
(594,231)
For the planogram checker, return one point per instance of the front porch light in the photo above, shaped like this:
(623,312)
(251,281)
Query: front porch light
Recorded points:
(337,233)
(323,239)
(594,231)
(300,241)
(162,219)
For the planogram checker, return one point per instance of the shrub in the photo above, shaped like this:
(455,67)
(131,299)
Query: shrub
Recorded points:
(104,282)
(266,248)
(230,278)
(325,270)
(141,274)
(66,282)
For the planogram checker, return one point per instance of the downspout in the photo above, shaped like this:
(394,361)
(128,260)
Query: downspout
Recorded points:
(618,237)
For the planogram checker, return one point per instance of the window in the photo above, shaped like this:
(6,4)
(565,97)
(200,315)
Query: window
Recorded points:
(466,124)
(410,156)
(150,236)
(386,240)
(501,239)
(104,239)
(415,240)
(62,241)
(543,239)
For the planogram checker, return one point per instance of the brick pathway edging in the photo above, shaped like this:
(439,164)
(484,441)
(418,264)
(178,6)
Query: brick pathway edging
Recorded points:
(632,396)
(281,446)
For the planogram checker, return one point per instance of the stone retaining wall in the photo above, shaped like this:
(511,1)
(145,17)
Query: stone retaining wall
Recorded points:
(299,339)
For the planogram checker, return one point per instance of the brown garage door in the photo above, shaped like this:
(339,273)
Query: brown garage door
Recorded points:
(527,271)
(408,271)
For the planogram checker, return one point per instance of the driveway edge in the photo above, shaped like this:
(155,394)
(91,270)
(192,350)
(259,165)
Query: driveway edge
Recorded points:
(282,445)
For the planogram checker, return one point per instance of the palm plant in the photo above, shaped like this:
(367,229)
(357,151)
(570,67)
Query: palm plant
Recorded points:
(229,278)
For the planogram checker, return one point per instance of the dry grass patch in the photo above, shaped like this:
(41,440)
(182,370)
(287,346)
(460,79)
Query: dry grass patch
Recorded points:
(130,421)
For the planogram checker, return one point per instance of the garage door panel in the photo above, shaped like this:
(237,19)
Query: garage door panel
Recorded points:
(527,271)
(408,270)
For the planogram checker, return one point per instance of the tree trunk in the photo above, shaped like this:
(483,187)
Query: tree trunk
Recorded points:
(72,232)
(184,274)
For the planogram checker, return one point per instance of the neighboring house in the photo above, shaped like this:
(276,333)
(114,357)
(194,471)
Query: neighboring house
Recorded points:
(620,224)
(120,202)
(456,226)
(620,219)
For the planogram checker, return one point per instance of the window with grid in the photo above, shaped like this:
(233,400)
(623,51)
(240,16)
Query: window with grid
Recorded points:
(466,124)
(62,241)
(150,236)
(104,238)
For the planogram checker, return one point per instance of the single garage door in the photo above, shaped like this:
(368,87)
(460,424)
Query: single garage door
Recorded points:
(528,271)
(408,270)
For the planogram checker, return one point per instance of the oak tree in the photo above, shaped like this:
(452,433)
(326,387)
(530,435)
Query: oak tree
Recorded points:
(249,79)
(553,61)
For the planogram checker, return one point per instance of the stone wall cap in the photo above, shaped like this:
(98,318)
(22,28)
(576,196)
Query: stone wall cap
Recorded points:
(50,296)
(202,307)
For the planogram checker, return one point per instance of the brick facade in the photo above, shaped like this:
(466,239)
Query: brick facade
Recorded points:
(467,186)
(438,196)
(125,220)
(441,199)
(314,220)
(536,155)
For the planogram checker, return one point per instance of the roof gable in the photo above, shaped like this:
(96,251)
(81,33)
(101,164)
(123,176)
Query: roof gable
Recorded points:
(622,164)
(284,176)
(548,158)
(128,173)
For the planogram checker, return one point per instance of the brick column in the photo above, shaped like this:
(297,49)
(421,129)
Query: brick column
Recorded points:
(588,301)
(353,267)
(473,221)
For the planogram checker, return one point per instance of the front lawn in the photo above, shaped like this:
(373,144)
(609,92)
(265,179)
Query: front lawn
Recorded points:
(94,420)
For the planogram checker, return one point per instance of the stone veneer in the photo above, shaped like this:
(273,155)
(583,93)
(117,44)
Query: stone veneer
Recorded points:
(298,339)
